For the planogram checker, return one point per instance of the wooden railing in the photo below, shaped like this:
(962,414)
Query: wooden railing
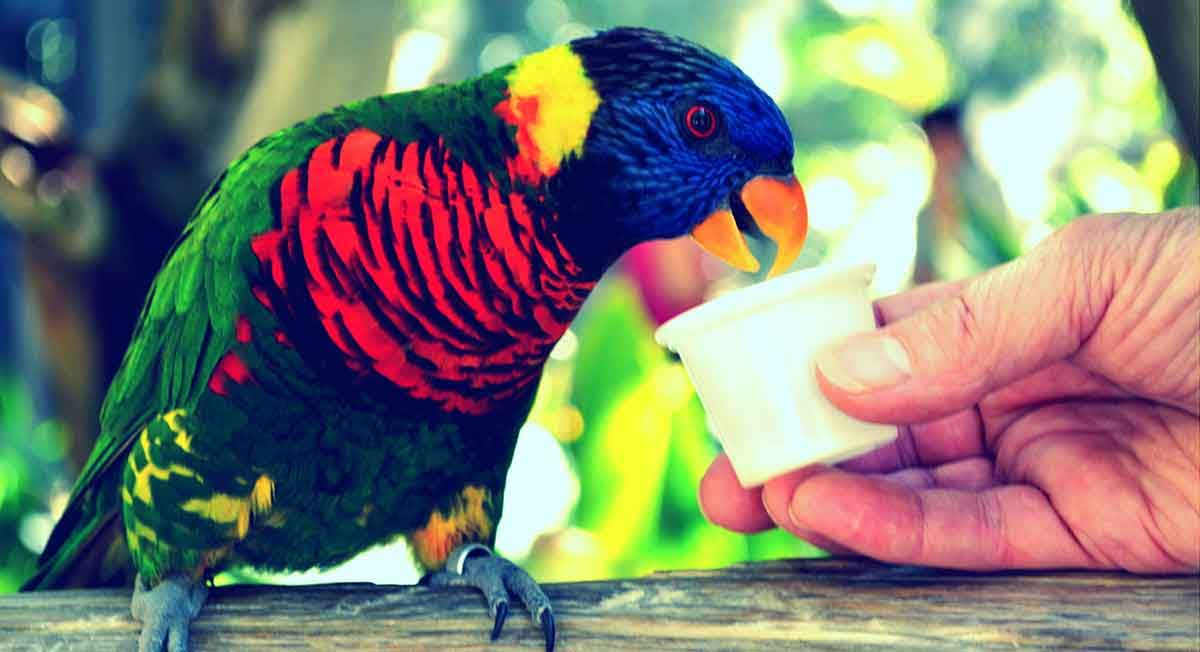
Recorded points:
(786,605)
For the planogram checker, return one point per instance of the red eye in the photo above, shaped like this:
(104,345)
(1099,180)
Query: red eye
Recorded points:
(701,121)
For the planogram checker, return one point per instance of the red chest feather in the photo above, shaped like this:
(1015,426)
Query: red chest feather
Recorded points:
(420,270)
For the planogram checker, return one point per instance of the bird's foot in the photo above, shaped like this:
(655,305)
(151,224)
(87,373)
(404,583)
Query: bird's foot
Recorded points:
(166,611)
(474,565)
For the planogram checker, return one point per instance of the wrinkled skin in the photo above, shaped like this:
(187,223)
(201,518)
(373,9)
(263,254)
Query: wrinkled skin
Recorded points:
(1056,411)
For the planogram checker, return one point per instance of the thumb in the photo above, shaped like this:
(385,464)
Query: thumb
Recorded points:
(1001,326)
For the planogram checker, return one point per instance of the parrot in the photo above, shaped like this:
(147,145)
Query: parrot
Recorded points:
(344,342)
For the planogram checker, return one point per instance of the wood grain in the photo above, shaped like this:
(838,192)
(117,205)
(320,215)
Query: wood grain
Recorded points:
(786,605)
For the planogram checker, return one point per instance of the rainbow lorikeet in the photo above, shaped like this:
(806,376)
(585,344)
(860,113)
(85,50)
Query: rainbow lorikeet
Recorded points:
(347,337)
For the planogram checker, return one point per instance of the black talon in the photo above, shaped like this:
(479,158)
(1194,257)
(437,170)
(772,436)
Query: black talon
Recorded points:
(474,565)
(548,629)
(501,616)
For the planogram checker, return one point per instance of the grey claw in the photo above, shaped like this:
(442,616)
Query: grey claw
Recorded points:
(501,616)
(547,618)
(166,611)
(152,638)
(177,640)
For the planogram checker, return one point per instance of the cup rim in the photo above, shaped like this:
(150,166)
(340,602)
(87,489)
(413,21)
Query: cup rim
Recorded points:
(745,301)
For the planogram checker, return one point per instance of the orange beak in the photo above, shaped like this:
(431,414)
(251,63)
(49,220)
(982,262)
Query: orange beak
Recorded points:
(777,207)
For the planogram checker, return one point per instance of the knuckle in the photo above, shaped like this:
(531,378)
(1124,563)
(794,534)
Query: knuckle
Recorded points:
(923,547)
(946,344)
(966,346)
(1078,231)
(965,319)
(992,530)
(1084,232)
(906,449)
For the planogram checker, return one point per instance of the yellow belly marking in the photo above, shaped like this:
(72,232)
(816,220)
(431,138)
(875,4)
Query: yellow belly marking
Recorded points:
(236,510)
(141,476)
(182,439)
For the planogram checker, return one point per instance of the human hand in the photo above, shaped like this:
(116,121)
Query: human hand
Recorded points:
(1054,405)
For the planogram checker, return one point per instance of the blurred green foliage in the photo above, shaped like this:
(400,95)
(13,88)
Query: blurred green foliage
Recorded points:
(31,451)
(1058,112)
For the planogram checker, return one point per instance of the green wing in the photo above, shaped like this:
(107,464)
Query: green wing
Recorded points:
(186,325)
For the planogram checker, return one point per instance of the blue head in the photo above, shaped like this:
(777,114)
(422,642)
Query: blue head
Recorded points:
(679,133)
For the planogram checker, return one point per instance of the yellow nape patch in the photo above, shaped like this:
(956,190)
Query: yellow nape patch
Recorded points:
(468,520)
(551,101)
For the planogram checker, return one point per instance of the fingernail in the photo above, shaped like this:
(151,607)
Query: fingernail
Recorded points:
(795,509)
(798,508)
(777,492)
(864,363)
(775,497)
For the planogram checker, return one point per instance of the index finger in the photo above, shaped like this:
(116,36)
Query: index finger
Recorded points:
(902,304)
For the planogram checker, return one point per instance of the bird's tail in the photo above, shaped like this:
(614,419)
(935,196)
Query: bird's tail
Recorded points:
(84,551)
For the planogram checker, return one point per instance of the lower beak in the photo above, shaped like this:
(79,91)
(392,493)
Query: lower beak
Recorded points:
(777,208)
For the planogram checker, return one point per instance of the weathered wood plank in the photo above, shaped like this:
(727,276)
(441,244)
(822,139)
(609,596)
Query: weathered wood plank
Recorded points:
(812,605)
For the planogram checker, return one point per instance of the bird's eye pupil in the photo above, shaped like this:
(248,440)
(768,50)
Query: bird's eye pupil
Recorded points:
(701,121)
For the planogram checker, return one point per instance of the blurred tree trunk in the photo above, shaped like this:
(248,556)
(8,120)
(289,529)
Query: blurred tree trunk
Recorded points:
(158,164)
(227,73)
(1172,30)
(322,54)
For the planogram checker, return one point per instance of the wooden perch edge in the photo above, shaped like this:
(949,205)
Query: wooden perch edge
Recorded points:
(785,605)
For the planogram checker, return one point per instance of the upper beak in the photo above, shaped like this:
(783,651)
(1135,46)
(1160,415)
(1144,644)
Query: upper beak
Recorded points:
(777,207)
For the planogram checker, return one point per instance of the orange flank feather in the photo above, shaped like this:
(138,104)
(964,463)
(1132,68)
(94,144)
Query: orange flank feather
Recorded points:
(467,521)
(522,113)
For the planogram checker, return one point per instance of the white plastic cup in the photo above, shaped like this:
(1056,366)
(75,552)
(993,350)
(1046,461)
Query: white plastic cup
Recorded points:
(750,353)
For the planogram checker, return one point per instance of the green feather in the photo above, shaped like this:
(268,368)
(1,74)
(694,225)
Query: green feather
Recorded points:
(188,283)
